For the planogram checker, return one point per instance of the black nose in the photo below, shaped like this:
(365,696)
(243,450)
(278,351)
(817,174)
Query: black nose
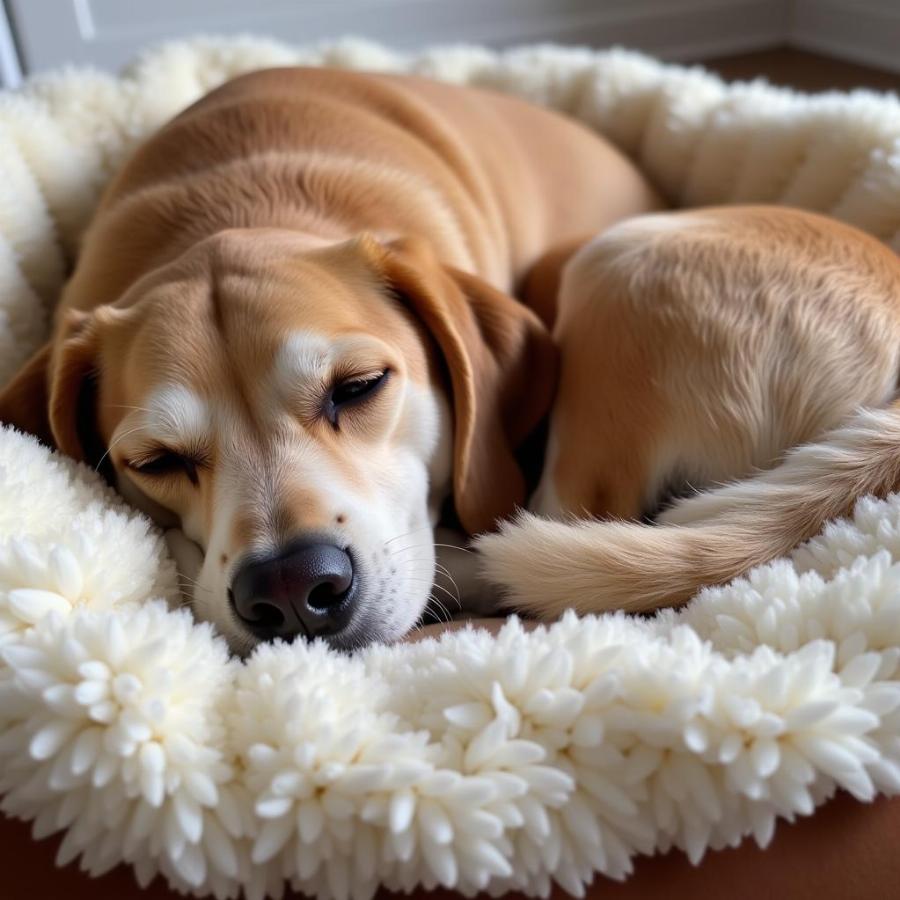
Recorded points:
(307,588)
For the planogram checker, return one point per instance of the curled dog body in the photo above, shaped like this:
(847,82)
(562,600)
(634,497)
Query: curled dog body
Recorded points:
(290,334)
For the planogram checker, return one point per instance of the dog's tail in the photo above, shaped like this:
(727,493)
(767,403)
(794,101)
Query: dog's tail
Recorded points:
(547,566)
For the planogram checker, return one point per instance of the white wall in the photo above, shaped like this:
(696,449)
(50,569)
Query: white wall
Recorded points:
(108,33)
(863,31)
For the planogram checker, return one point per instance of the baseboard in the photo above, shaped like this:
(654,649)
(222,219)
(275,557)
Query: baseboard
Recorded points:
(865,32)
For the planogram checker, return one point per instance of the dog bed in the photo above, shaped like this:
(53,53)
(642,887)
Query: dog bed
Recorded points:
(474,762)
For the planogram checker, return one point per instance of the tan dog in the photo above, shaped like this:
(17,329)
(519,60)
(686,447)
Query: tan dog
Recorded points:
(698,348)
(289,332)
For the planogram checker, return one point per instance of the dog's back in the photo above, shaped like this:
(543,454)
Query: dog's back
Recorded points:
(489,181)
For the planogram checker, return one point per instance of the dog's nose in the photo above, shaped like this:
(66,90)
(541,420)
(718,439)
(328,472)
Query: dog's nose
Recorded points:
(307,588)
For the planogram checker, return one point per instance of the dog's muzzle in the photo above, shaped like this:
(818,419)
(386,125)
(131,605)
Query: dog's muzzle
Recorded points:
(308,588)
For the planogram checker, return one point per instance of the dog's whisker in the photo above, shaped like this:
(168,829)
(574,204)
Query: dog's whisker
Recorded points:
(456,599)
(443,609)
(186,581)
(406,534)
(411,547)
(430,544)
(399,550)
(182,574)
(452,580)
(116,441)
(192,588)
(440,569)
(449,577)
(446,574)
(192,582)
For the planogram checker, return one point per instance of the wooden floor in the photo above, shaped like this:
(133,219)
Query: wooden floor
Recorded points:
(803,71)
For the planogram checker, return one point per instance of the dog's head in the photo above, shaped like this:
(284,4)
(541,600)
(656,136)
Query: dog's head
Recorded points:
(299,413)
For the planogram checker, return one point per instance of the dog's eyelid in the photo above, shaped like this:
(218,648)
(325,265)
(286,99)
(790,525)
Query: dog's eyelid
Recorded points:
(162,461)
(151,452)
(355,371)
(348,391)
(361,383)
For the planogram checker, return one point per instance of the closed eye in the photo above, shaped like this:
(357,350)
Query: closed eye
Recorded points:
(352,391)
(166,463)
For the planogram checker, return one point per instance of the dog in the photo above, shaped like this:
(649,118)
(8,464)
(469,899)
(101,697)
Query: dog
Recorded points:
(729,374)
(290,334)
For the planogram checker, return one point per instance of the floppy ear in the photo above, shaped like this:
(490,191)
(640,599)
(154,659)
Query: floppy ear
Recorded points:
(502,366)
(47,397)
(24,400)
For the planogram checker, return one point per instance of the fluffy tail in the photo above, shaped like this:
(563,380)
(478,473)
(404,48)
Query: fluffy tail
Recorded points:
(547,566)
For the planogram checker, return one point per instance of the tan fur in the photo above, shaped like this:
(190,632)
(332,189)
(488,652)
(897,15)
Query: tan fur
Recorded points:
(389,212)
(698,348)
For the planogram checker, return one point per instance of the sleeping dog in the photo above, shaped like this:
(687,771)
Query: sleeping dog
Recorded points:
(290,334)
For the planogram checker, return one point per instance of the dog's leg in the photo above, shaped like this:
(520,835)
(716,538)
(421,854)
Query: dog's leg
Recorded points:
(611,429)
(539,289)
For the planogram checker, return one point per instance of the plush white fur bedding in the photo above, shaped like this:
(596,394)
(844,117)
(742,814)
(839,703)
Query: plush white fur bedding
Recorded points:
(475,762)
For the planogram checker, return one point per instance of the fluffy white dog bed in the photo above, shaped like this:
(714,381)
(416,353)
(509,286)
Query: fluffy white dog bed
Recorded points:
(474,762)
